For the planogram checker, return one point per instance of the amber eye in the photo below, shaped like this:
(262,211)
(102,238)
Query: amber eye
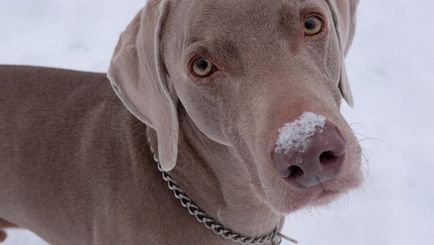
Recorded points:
(202,67)
(312,25)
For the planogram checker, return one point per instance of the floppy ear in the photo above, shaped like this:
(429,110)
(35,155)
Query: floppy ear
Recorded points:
(344,86)
(344,16)
(139,78)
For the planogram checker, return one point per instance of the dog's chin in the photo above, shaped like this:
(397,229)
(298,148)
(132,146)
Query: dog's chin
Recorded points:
(285,199)
(325,197)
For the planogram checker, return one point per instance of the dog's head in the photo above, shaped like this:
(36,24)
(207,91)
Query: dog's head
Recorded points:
(265,78)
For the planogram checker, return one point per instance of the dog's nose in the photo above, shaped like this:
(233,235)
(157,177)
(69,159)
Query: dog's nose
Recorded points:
(320,161)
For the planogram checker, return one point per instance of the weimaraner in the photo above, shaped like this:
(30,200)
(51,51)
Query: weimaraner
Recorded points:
(242,96)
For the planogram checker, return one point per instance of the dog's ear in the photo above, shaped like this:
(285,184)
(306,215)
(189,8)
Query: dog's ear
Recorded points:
(344,16)
(344,86)
(138,76)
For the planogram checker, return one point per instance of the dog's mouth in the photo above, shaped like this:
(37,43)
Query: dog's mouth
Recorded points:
(325,197)
(328,194)
(318,196)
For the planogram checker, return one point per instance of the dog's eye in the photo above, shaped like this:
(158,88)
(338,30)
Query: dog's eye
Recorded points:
(202,67)
(312,25)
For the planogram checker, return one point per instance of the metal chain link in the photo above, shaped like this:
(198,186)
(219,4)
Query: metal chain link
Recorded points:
(274,237)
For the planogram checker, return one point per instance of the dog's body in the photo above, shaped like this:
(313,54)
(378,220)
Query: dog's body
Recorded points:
(76,166)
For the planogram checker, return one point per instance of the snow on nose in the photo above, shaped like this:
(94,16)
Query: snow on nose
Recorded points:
(295,136)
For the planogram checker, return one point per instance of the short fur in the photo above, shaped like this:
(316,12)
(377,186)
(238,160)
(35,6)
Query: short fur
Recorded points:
(75,163)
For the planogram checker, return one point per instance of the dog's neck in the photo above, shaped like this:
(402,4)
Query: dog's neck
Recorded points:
(208,173)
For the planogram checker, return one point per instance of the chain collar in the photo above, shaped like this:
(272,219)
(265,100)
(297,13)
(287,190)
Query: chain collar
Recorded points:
(274,237)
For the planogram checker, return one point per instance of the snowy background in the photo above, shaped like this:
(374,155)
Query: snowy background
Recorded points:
(391,67)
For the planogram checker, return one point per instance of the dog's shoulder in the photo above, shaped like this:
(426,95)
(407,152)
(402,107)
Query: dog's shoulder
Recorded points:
(31,78)
(42,86)
(32,73)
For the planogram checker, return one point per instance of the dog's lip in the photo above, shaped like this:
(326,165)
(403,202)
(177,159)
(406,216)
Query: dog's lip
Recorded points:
(326,196)
(327,192)
(319,192)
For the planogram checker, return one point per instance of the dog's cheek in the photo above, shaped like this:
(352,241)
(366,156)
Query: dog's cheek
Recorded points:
(202,107)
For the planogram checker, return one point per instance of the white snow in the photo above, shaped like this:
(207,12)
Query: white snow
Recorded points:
(295,136)
(391,69)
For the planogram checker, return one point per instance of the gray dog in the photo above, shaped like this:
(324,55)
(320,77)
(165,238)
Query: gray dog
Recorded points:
(237,100)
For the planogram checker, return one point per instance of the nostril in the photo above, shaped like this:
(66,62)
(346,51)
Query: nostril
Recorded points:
(327,157)
(295,171)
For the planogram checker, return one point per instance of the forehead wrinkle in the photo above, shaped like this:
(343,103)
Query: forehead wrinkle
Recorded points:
(288,24)
(221,48)
(288,16)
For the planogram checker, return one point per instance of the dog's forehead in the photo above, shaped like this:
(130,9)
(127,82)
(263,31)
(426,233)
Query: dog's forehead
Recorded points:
(240,6)
(228,18)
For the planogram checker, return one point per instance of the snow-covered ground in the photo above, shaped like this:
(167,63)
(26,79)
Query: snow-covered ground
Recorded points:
(391,66)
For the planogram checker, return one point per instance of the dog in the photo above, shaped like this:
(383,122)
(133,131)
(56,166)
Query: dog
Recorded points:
(237,103)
